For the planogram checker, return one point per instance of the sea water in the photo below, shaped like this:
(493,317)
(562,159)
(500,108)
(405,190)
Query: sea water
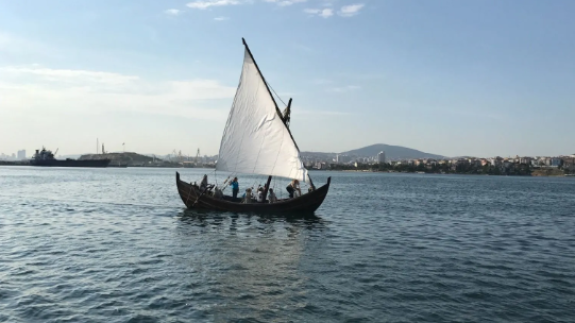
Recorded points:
(117,245)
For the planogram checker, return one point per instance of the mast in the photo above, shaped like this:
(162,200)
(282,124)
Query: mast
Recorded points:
(273,100)
(287,113)
(267,187)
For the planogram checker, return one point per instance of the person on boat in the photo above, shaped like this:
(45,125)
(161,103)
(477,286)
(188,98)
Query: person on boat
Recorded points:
(260,196)
(297,193)
(204,183)
(247,196)
(294,189)
(272,196)
(235,187)
(218,193)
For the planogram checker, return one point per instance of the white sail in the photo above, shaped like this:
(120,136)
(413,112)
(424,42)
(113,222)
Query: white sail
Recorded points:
(255,139)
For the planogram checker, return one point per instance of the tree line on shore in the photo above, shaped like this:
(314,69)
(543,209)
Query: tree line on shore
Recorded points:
(511,169)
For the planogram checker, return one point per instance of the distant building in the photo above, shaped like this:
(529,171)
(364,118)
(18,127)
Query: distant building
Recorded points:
(569,163)
(553,162)
(22,154)
(343,159)
(525,160)
(381,157)
(497,161)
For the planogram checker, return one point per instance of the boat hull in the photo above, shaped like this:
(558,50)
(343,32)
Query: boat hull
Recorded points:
(71,163)
(305,204)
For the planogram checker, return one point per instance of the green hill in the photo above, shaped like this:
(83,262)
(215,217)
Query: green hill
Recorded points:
(124,159)
(391,152)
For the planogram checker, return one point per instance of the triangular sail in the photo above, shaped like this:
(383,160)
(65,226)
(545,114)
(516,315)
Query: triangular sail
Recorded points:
(256,140)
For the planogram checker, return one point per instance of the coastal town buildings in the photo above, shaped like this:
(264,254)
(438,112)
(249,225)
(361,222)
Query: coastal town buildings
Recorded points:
(327,161)
(323,161)
(381,157)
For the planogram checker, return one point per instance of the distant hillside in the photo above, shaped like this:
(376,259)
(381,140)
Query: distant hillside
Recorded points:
(391,152)
(317,154)
(130,159)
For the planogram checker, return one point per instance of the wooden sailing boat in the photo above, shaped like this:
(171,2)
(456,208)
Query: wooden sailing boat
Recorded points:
(256,140)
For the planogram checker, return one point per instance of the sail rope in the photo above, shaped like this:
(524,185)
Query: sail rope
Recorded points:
(274,91)
(282,101)
(275,190)
(227,181)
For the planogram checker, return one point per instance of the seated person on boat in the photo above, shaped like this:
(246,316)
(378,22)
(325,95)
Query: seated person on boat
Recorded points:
(272,196)
(247,198)
(260,196)
(294,189)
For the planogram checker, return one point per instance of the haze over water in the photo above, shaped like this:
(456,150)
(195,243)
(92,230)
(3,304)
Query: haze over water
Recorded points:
(116,245)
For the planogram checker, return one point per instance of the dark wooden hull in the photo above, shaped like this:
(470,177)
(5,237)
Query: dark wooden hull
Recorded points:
(305,204)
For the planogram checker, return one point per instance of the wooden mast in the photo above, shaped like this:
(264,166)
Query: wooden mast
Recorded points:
(267,187)
(287,113)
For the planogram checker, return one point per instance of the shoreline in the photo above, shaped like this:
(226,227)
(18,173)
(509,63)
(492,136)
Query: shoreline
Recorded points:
(112,166)
(537,174)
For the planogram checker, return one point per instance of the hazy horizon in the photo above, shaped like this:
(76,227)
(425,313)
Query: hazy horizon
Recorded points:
(29,153)
(476,78)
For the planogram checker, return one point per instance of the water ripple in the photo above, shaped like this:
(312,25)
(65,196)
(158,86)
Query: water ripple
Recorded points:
(115,245)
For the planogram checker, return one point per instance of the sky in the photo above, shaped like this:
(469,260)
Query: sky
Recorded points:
(450,77)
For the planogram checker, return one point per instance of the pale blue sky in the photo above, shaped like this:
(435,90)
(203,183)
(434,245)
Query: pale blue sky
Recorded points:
(455,77)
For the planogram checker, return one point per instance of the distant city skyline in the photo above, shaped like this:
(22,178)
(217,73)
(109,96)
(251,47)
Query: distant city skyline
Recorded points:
(380,156)
(455,78)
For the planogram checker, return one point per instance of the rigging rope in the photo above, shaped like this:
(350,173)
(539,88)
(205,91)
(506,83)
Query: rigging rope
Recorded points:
(274,91)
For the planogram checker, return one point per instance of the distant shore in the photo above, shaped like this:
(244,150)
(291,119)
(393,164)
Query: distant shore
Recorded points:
(544,172)
(27,164)
(535,173)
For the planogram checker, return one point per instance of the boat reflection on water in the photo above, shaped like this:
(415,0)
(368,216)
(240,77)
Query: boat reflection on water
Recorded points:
(192,216)
(252,267)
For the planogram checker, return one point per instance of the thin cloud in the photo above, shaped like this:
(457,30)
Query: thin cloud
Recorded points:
(221,18)
(173,12)
(38,73)
(211,3)
(284,3)
(84,91)
(312,11)
(15,45)
(351,10)
(324,13)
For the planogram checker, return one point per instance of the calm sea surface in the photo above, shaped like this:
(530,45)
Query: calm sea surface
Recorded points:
(116,245)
